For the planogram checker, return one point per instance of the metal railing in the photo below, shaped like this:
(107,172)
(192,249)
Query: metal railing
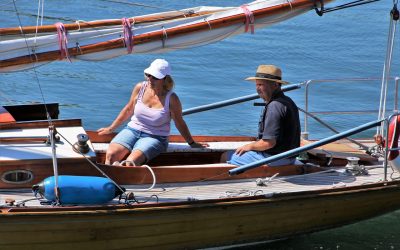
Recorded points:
(307,112)
(232,101)
(308,83)
(324,141)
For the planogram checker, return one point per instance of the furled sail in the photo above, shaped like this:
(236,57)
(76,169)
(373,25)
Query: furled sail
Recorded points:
(26,47)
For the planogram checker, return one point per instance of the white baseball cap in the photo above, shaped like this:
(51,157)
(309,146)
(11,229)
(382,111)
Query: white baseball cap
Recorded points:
(159,68)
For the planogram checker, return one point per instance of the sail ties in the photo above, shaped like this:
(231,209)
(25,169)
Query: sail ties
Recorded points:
(165,36)
(128,34)
(62,35)
(249,18)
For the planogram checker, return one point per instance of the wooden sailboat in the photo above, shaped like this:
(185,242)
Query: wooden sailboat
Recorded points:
(196,201)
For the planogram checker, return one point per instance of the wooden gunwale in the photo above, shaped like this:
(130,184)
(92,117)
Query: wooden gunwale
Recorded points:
(157,35)
(96,138)
(41,124)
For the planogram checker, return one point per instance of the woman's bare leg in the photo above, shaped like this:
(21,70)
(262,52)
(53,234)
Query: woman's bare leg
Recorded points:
(115,152)
(137,157)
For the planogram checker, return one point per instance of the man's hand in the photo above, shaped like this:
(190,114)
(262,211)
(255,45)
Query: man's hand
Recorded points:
(260,145)
(243,149)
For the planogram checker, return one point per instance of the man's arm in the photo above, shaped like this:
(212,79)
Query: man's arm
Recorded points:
(260,145)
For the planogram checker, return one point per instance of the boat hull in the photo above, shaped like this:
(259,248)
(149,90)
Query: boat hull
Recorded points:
(194,224)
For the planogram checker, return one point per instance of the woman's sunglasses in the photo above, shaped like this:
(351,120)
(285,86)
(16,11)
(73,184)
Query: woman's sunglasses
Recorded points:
(151,76)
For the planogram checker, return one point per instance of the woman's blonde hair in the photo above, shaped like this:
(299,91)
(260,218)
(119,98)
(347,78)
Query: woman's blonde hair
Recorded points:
(168,83)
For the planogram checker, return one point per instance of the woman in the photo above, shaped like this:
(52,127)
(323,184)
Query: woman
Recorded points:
(151,107)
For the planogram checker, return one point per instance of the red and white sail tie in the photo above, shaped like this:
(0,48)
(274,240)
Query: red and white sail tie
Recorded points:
(249,18)
(62,41)
(128,34)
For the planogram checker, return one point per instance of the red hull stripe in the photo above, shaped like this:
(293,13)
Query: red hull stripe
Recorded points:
(5,117)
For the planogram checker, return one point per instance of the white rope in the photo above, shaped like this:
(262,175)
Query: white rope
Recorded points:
(126,162)
(78,22)
(39,16)
(154,179)
(290,3)
(209,24)
(264,182)
(42,16)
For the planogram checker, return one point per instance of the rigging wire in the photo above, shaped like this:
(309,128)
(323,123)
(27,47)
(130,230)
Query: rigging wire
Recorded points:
(93,164)
(49,120)
(34,63)
(394,17)
(143,5)
(348,5)
(364,147)
(51,126)
(323,10)
(5,4)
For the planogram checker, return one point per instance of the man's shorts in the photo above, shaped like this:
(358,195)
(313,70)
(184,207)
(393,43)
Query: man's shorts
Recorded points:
(253,156)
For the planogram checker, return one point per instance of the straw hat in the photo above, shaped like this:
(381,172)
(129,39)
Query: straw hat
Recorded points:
(159,68)
(268,72)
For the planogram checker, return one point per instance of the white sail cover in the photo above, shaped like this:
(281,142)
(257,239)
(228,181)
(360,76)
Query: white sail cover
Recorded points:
(15,49)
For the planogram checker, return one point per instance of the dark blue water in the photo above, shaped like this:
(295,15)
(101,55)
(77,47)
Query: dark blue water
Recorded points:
(346,44)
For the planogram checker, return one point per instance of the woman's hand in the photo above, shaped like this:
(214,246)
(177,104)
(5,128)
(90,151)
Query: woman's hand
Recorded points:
(105,131)
(199,145)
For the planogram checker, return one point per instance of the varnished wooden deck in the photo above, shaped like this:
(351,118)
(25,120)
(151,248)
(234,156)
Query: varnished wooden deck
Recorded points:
(204,190)
(222,189)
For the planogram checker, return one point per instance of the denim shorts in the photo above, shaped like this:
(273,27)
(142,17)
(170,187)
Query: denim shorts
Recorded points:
(150,145)
(253,156)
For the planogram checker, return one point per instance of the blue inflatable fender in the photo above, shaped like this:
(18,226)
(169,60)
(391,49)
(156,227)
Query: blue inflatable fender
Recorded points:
(78,190)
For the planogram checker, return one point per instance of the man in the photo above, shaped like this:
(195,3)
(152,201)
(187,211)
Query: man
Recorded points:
(279,125)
